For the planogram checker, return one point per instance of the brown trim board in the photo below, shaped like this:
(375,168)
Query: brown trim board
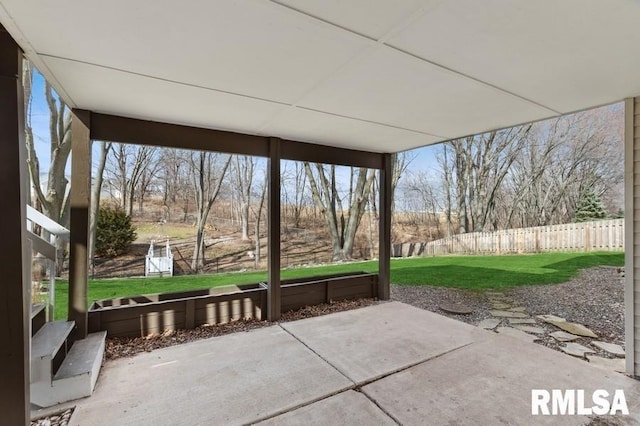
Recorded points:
(143,132)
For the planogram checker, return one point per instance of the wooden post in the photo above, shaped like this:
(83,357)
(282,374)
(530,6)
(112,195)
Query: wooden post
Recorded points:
(384,241)
(79,220)
(15,305)
(273,290)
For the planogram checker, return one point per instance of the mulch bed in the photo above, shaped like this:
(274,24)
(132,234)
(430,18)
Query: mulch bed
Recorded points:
(59,419)
(118,347)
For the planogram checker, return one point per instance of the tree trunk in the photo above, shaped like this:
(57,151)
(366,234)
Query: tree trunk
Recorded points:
(258,216)
(207,182)
(95,198)
(325,195)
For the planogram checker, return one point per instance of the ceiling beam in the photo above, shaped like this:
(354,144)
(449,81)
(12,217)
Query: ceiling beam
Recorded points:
(314,153)
(114,128)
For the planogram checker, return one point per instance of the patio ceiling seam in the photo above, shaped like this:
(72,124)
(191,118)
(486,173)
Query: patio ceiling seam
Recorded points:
(348,117)
(382,41)
(258,129)
(475,79)
(163,79)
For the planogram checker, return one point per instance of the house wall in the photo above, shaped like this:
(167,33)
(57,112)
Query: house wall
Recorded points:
(632,235)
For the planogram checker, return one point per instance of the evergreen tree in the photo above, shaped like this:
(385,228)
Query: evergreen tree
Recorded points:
(589,208)
(114,232)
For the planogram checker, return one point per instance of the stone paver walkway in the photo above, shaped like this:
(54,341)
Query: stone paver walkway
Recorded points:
(508,318)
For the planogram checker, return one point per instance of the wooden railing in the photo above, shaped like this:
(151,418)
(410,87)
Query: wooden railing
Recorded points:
(46,246)
(155,313)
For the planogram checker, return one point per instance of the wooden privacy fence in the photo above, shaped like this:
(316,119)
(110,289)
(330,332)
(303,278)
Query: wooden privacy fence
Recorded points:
(602,235)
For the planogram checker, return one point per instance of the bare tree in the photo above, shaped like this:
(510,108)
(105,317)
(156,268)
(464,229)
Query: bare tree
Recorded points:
(420,203)
(294,181)
(243,168)
(478,165)
(207,172)
(53,199)
(563,158)
(532,175)
(342,228)
(258,218)
(146,179)
(127,165)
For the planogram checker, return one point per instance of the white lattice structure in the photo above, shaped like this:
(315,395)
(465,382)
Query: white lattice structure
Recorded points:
(159,261)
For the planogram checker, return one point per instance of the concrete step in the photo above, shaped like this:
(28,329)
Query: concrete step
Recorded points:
(38,317)
(77,375)
(48,348)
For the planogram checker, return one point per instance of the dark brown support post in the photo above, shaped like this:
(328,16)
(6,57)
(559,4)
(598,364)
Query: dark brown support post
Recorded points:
(273,290)
(384,244)
(79,220)
(15,303)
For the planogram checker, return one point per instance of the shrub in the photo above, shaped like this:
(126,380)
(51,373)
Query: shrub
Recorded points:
(589,208)
(114,232)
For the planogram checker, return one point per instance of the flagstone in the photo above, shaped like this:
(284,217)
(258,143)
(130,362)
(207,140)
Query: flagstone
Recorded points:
(549,318)
(521,335)
(499,305)
(529,329)
(574,328)
(611,348)
(522,321)
(563,336)
(577,349)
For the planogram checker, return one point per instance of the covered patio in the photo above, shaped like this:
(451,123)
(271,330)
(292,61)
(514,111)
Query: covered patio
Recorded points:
(386,364)
(345,83)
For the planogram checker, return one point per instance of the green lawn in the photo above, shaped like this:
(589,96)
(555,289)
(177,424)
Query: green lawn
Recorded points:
(467,272)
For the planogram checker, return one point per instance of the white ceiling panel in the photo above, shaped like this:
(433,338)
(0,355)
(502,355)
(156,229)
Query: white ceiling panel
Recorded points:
(311,126)
(368,74)
(371,18)
(255,48)
(145,98)
(566,55)
(387,86)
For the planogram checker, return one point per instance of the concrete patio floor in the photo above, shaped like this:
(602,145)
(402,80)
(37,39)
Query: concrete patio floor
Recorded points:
(385,364)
